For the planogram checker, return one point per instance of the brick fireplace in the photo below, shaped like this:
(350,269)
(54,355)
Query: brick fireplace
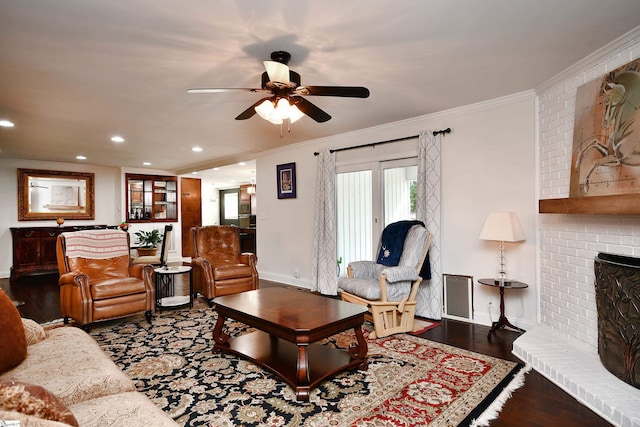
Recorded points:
(564,346)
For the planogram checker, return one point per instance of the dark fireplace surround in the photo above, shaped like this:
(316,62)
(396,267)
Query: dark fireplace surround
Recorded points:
(618,304)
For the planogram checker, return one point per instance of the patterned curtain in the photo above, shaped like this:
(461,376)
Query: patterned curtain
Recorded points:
(323,268)
(429,298)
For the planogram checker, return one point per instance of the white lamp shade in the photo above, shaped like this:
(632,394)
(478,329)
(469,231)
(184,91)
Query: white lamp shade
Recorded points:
(502,227)
(276,114)
(295,114)
(265,109)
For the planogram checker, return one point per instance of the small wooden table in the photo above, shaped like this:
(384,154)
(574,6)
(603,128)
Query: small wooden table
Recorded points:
(502,285)
(289,322)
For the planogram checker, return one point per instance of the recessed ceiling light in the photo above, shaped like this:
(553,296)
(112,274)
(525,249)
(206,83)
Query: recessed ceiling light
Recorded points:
(146,163)
(6,124)
(242,163)
(194,173)
(196,149)
(216,169)
(81,157)
(117,138)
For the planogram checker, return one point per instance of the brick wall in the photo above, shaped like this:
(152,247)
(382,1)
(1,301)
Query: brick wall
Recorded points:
(569,243)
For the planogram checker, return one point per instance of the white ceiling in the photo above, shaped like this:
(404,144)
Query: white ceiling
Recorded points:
(76,72)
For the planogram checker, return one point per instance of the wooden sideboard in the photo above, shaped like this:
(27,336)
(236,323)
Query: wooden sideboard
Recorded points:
(34,248)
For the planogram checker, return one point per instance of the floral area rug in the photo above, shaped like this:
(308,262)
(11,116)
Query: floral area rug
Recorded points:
(420,326)
(410,381)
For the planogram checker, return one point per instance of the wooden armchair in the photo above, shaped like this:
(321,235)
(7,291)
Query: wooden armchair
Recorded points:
(389,291)
(97,281)
(218,266)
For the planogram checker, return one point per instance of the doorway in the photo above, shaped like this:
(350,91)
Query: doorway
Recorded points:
(190,211)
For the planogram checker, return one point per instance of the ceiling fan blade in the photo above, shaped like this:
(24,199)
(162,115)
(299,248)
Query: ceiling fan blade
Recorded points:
(310,109)
(344,91)
(249,112)
(224,89)
(277,71)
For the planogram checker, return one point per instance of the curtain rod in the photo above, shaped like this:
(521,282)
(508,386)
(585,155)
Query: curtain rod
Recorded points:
(373,144)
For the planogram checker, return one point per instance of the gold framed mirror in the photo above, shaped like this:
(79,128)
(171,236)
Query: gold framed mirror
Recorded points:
(44,195)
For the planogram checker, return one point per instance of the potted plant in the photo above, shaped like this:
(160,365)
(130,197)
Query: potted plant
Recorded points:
(148,241)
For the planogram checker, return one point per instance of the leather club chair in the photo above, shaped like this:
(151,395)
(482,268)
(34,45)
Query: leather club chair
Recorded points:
(218,266)
(97,281)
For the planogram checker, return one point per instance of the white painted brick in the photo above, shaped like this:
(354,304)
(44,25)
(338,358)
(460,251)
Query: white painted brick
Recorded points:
(568,245)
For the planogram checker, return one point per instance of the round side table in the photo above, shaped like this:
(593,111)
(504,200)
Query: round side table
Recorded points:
(165,287)
(502,285)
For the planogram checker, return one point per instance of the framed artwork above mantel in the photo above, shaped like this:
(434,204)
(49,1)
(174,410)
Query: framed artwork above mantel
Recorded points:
(46,195)
(606,135)
(605,177)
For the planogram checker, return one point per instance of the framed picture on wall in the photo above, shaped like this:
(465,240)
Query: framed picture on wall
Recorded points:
(606,135)
(286,178)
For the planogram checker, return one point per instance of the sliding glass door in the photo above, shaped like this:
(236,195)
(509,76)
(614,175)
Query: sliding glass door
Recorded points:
(400,180)
(369,197)
(354,212)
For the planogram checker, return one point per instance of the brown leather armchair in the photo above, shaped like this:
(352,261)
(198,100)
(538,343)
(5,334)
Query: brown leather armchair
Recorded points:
(97,281)
(218,266)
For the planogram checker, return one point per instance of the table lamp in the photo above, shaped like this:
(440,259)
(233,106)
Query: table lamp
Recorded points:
(502,227)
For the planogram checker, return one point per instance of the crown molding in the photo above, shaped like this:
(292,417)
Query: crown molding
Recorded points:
(620,45)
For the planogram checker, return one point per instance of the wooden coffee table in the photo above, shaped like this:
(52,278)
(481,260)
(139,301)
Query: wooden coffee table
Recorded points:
(289,322)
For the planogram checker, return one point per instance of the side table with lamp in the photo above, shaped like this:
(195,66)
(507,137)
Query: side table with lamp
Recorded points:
(502,227)
(502,285)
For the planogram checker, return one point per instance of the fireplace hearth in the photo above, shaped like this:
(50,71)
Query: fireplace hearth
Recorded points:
(618,304)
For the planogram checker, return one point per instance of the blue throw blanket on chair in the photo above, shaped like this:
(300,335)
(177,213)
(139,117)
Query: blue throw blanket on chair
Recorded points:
(392,243)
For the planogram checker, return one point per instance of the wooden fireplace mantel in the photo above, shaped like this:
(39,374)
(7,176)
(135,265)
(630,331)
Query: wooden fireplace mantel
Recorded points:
(619,204)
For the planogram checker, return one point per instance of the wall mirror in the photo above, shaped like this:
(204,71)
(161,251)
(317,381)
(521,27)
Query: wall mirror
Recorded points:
(44,194)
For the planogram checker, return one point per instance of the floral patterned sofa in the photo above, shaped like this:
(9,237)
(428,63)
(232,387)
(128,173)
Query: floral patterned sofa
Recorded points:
(64,379)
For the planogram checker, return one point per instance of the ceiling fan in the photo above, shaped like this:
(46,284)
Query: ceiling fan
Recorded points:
(286,99)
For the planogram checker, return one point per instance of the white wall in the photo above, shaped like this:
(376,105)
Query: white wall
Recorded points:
(107,195)
(569,243)
(487,164)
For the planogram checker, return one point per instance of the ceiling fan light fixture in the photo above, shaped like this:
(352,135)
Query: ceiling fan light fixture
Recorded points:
(265,109)
(283,83)
(277,113)
(295,114)
(288,111)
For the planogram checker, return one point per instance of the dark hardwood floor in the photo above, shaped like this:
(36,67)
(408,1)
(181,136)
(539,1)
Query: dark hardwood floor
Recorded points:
(538,403)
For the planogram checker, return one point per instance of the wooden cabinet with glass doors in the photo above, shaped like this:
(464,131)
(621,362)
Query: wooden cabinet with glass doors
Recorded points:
(152,198)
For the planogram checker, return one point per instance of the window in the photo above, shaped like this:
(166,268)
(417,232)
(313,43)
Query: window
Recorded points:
(229,206)
(152,198)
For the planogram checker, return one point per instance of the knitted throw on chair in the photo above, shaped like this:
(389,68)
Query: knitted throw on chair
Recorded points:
(96,244)
(392,244)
